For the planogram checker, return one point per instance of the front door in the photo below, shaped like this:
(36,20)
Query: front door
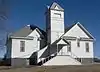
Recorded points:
(62,50)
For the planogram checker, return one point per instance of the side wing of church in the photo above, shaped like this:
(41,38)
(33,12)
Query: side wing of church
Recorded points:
(57,46)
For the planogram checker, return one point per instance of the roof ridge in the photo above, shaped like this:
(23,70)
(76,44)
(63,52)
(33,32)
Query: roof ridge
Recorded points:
(54,4)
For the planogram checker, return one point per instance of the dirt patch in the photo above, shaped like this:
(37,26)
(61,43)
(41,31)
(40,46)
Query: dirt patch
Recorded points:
(82,68)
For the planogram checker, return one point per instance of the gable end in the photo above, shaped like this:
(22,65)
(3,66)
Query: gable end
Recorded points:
(81,27)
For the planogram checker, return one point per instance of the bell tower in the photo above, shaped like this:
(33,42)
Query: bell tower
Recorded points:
(54,22)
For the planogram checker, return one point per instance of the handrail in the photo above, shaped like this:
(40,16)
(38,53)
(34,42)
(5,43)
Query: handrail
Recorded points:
(72,55)
(48,58)
(75,57)
(42,48)
(50,55)
(40,52)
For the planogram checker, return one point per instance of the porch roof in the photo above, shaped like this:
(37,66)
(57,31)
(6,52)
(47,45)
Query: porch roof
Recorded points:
(61,41)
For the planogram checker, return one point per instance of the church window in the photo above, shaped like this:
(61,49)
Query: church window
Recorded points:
(69,46)
(22,46)
(78,43)
(87,47)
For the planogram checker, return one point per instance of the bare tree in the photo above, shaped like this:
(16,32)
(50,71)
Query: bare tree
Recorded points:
(4,11)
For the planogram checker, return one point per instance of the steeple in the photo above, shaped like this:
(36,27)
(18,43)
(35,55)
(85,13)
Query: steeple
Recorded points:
(56,6)
(54,22)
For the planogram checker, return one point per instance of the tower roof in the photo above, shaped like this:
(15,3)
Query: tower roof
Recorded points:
(56,6)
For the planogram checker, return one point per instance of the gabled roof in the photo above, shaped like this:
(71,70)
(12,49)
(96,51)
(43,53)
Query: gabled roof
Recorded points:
(54,4)
(81,26)
(59,40)
(24,32)
(68,28)
(84,29)
(40,30)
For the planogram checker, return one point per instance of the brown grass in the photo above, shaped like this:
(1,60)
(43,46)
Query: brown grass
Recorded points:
(83,68)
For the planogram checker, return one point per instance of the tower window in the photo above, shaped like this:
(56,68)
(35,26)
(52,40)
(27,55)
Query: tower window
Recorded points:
(87,47)
(22,46)
(57,14)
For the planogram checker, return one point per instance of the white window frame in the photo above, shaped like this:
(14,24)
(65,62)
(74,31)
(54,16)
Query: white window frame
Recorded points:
(87,46)
(69,47)
(22,46)
(78,43)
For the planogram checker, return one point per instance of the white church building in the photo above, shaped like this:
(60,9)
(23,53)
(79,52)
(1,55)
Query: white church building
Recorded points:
(56,45)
